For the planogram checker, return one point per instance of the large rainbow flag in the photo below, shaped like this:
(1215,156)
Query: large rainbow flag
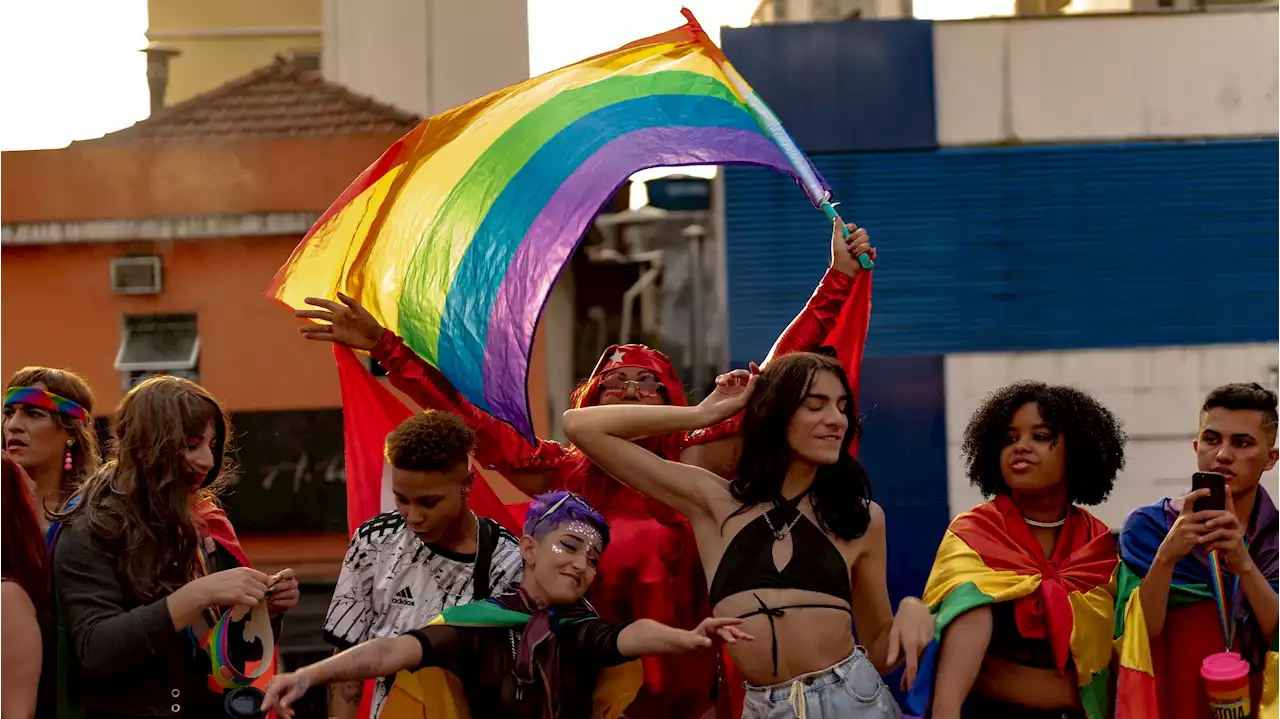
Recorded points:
(454,237)
(1144,530)
(988,555)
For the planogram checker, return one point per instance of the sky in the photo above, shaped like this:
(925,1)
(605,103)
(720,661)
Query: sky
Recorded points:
(71,70)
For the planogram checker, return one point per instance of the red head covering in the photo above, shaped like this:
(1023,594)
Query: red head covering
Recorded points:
(616,357)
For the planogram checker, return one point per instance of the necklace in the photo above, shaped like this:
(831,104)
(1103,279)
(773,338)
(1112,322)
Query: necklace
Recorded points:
(1045,525)
(779,534)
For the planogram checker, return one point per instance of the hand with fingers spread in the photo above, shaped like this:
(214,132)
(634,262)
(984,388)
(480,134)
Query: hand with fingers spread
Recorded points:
(1184,536)
(282,592)
(846,250)
(911,632)
(726,630)
(1224,533)
(733,389)
(349,323)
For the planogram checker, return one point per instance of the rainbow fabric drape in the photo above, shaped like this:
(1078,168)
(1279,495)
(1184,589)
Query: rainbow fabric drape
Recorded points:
(434,693)
(454,237)
(1143,532)
(988,555)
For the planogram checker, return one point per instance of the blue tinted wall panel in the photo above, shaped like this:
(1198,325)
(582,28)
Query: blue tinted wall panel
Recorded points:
(1008,249)
(843,86)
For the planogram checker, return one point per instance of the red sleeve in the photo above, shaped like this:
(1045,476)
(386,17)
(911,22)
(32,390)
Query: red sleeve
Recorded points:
(498,445)
(809,330)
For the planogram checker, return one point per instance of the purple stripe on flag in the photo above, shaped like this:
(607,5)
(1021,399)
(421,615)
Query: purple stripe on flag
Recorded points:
(555,233)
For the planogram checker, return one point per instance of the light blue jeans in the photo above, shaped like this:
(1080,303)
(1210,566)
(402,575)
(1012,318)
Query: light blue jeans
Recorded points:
(851,689)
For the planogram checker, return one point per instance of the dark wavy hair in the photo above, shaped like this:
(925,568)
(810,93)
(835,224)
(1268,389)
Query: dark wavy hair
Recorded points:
(1094,437)
(1245,396)
(140,502)
(841,492)
(23,558)
(431,441)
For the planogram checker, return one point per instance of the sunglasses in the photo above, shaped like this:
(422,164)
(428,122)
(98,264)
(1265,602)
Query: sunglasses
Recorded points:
(646,386)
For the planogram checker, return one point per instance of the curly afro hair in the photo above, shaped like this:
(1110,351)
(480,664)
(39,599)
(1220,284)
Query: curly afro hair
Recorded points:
(1095,440)
(429,442)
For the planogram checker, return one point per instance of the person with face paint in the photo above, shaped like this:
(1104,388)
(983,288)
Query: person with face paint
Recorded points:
(48,430)
(653,571)
(539,651)
(1168,575)
(1022,585)
(782,542)
(406,566)
(147,562)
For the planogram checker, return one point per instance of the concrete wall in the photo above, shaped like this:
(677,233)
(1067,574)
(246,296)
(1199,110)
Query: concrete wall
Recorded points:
(228,38)
(1078,79)
(426,56)
(1156,392)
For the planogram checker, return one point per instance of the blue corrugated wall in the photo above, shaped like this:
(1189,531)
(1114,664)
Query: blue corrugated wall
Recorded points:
(1029,248)
(843,86)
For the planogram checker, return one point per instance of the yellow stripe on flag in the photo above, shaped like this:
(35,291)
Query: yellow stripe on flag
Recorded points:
(957,564)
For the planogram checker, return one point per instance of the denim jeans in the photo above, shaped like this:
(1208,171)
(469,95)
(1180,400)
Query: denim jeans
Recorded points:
(851,689)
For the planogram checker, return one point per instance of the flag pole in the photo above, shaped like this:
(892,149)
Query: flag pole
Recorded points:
(820,196)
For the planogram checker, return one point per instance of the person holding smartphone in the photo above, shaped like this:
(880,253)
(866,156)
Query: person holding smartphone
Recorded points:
(1166,585)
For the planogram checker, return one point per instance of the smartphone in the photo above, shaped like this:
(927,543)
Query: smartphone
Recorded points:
(1217,486)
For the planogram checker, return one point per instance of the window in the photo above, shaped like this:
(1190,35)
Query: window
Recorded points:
(157,345)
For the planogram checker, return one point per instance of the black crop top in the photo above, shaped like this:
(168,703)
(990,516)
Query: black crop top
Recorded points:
(815,564)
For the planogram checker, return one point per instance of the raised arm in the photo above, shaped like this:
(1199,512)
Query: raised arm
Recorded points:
(532,468)
(810,328)
(604,434)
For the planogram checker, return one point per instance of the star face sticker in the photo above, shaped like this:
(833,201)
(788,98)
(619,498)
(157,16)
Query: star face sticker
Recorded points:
(616,358)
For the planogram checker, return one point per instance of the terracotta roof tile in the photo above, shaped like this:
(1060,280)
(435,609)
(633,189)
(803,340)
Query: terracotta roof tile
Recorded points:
(279,100)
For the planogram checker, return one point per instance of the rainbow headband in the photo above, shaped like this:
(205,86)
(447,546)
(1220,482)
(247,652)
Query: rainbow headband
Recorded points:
(37,397)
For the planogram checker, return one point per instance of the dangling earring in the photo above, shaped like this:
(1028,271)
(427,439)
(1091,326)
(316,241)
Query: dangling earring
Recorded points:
(66,461)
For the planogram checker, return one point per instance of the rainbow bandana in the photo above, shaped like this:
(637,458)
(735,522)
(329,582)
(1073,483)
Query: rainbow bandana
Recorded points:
(38,397)
(989,555)
(1196,578)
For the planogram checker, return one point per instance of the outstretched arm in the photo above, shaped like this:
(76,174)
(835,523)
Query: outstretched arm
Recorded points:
(377,658)
(532,468)
(646,636)
(604,434)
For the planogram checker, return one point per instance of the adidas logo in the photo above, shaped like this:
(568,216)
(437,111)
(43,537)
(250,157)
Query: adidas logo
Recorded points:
(403,597)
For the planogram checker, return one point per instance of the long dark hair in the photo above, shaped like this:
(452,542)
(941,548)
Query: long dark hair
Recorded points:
(841,492)
(22,552)
(140,502)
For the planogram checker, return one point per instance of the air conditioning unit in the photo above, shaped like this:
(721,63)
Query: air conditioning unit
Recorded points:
(136,275)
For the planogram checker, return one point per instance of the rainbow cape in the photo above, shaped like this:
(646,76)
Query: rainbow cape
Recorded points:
(1144,530)
(988,555)
(454,237)
(433,693)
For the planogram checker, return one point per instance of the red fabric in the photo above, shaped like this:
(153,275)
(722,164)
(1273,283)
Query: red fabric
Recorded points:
(1191,633)
(652,569)
(369,414)
(1083,559)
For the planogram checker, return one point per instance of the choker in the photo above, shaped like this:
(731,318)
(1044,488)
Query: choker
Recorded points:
(1045,525)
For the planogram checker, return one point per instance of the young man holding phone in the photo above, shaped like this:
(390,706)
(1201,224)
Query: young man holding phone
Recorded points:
(1166,581)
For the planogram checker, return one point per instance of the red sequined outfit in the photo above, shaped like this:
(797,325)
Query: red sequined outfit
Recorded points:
(652,568)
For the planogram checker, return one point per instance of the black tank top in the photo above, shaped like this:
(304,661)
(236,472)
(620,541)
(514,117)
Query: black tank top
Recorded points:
(815,564)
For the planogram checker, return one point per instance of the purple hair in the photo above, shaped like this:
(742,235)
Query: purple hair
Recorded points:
(552,509)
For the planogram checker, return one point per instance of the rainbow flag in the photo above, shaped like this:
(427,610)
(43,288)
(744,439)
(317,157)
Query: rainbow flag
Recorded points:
(988,555)
(1144,530)
(454,237)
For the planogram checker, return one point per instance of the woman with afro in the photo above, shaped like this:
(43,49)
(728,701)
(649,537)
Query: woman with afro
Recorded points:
(1022,583)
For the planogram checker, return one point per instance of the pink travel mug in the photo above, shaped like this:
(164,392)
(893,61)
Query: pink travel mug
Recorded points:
(1226,680)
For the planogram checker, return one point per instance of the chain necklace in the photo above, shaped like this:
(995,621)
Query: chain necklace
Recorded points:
(1045,525)
(780,534)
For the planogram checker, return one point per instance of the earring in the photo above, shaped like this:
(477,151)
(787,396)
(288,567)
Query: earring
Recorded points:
(66,461)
